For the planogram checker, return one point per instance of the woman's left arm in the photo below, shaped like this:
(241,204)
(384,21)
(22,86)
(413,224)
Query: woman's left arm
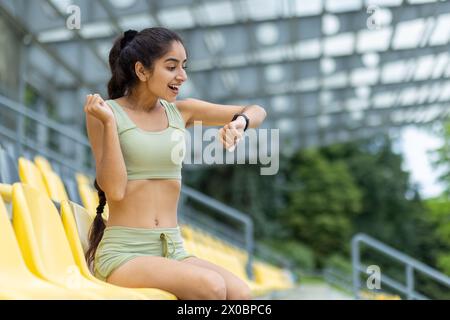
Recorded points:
(212,114)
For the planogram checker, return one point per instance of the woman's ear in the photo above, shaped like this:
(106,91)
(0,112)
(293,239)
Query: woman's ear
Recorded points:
(141,72)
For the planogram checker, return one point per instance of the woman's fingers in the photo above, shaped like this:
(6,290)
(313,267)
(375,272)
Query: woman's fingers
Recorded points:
(93,99)
(88,103)
(99,98)
(223,142)
(233,133)
(222,137)
(230,138)
(96,99)
(236,133)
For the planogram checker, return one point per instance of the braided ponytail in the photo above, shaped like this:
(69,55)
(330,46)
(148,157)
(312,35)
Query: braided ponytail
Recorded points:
(98,226)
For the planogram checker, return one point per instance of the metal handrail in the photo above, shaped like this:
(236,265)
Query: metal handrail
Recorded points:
(18,108)
(19,137)
(338,278)
(49,154)
(216,228)
(411,265)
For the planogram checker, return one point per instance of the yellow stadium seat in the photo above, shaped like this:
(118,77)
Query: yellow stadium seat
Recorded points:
(82,179)
(42,163)
(368,295)
(6,191)
(46,249)
(53,182)
(187,232)
(271,276)
(30,174)
(89,196)
(70,210)
(16,281)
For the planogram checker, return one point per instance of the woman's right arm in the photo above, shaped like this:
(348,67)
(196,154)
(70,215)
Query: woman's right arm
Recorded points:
(102,133)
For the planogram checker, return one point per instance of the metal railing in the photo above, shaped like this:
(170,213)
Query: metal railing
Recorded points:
(19,137)
(270,255)
(411,266)
(337,278)
(226,232)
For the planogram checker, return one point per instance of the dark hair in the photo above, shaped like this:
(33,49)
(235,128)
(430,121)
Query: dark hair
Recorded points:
(145,46)
(97,227)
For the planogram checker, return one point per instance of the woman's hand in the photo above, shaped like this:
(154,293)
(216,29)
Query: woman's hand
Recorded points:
(96,107)
(231,133)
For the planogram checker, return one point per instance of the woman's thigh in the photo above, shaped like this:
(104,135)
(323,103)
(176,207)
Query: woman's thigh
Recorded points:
(237,289)
(186,281)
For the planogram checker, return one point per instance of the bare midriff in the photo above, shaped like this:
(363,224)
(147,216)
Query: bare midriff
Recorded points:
(146,204)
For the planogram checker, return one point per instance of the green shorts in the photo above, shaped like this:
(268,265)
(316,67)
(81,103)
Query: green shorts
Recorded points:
(121,244)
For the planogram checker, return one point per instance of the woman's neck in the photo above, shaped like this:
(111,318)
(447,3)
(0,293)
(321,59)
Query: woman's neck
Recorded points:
(140,102)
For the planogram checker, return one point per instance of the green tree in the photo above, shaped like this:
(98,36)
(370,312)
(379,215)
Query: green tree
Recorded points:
(322,200)
(438,214)
(244,188)
(441,157)
(391,204)
(439,208)
(393,210)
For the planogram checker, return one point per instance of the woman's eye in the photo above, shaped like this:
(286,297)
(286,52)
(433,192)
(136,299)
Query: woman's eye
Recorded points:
(173,68)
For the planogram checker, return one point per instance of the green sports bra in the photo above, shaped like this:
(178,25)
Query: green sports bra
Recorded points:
(151,154)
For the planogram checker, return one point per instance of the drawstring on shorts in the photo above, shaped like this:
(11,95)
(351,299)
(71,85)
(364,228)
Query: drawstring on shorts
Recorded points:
(164,238)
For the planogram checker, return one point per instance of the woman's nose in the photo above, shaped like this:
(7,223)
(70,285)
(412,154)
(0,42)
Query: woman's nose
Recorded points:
(181,76)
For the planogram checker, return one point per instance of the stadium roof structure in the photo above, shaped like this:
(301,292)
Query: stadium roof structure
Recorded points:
(325,70)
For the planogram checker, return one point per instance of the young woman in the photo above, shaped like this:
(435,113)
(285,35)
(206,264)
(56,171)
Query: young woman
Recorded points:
(132,139)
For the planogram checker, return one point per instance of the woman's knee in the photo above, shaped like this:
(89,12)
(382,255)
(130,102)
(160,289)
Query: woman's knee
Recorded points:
(212,286)
(241,292)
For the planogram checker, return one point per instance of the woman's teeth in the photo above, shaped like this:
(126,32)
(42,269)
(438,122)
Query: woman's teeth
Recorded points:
(174,88)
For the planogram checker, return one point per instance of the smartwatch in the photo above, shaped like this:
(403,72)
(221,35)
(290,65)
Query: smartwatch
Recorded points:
(247,120)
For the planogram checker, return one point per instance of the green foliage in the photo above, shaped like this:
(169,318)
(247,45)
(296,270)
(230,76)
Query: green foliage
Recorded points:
(322,201)
(438,215)
(299,253)
(242,187)
(438,209)
(338,262)
(320,198)
(392,209)
(443,262)
(441,158)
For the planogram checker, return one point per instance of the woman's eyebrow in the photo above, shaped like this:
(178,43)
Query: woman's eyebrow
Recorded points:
(175,60)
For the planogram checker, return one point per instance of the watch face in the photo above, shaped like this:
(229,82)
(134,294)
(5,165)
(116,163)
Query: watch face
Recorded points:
(247,120)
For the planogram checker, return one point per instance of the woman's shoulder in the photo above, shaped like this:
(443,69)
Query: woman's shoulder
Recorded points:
(176,110)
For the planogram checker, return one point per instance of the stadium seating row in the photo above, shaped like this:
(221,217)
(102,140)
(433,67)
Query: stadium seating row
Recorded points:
(43,235)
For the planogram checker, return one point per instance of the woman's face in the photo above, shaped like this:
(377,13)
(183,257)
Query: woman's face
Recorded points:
(169,73)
